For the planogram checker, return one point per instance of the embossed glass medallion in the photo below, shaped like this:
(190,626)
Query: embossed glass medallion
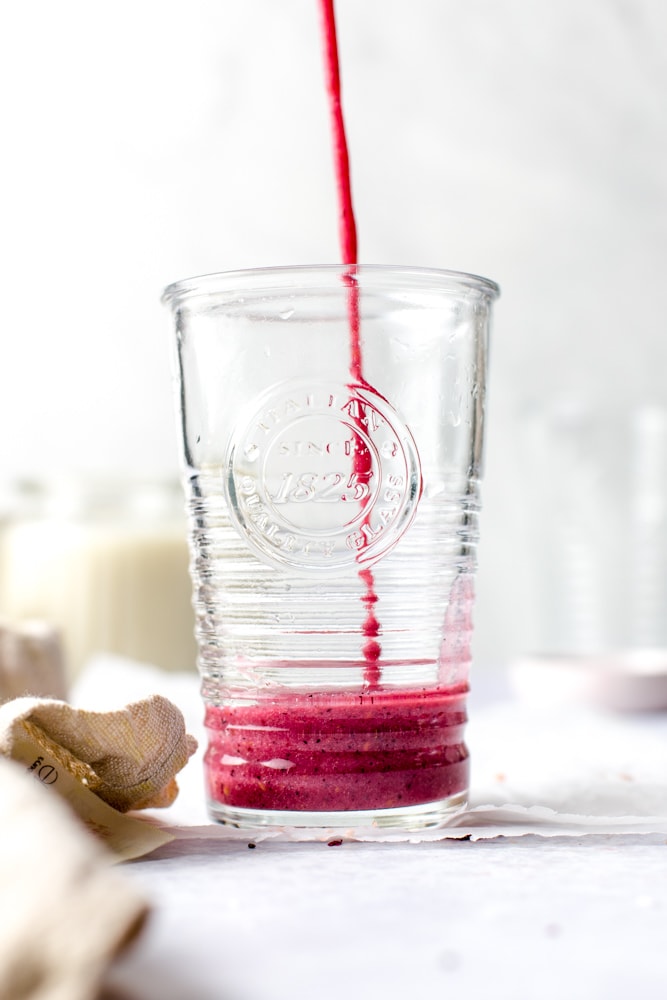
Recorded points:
(322,476)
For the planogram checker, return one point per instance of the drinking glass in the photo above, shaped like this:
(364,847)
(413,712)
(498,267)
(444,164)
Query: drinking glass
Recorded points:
(332,422)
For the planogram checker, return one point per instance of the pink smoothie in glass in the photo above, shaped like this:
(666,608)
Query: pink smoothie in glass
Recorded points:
(334,752)
(372,749)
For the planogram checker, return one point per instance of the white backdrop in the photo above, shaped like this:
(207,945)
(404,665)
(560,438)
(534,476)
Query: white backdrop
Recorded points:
(149,140)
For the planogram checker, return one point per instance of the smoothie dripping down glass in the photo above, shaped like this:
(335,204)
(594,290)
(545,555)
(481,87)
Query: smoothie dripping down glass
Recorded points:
(333,504)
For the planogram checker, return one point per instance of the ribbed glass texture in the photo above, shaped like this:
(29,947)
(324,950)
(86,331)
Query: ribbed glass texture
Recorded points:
(332,425)
(256,626)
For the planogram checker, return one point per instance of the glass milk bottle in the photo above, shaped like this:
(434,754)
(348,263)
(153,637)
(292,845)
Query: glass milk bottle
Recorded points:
(106,562)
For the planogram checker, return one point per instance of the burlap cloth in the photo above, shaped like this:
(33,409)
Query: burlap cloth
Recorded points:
(64,914)
(128,758)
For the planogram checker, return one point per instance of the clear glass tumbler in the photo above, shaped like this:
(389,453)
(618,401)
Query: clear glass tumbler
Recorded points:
(332,422)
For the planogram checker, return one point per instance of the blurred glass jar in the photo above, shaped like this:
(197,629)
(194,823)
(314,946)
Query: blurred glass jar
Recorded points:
(103,560)
(596,523)
(594,527)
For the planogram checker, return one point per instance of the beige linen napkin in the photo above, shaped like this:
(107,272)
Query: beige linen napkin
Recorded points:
(64,914)
(102,763)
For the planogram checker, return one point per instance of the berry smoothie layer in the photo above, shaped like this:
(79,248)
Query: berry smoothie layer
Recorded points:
(334,752)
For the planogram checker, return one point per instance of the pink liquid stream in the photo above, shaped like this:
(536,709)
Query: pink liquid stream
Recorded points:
(371,649)
(322,751)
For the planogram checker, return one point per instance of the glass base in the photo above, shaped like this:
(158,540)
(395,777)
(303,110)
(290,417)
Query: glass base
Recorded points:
(428,816)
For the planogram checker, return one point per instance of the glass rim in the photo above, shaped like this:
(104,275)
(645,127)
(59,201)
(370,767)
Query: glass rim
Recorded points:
(245,278)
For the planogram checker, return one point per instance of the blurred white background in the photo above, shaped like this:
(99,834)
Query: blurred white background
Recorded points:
(148,141)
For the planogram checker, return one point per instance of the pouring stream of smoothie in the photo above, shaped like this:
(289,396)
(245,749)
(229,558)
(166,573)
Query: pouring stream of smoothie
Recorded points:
(316,751)
(348,244)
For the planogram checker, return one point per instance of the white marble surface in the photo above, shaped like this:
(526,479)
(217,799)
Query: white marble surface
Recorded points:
(516,917)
